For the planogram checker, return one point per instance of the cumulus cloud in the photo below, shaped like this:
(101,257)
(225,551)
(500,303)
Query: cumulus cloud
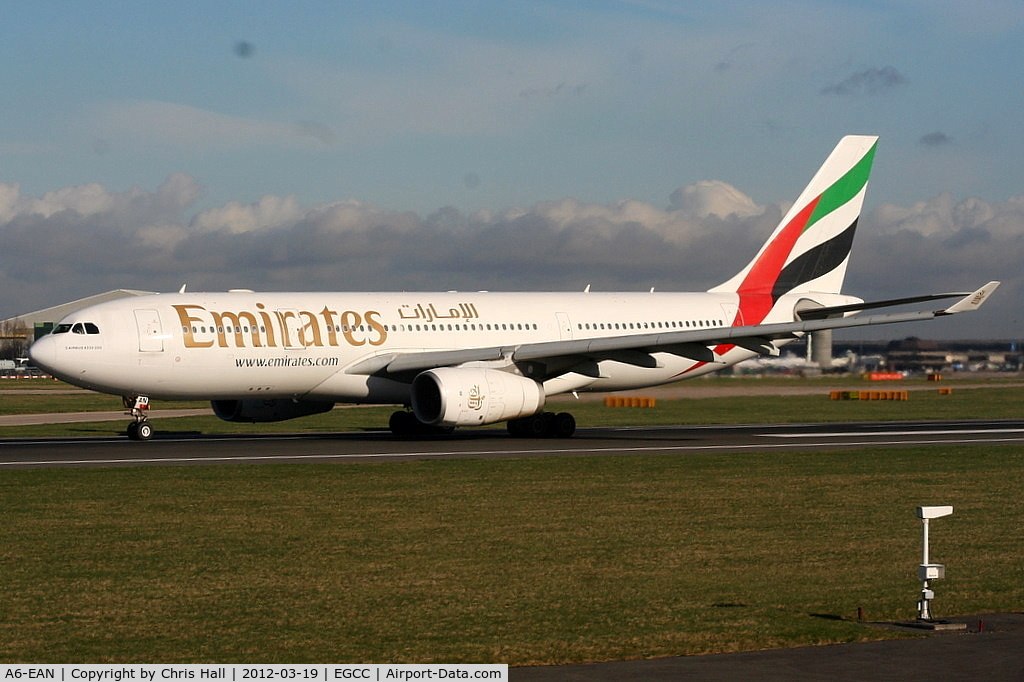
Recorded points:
(945,245)
(238,218)
(93,201)
(96,239)
(87,239)
(713,198)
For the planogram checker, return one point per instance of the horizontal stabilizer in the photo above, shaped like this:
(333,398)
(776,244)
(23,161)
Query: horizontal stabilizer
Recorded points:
(838,310)
(968,301)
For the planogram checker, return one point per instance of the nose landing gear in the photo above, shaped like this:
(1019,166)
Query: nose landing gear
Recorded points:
(140,429)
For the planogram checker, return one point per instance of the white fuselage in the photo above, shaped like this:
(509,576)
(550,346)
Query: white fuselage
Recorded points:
(239,345)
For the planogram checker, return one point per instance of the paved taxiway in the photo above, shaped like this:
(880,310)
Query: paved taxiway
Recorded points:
(191,449)
(994,653)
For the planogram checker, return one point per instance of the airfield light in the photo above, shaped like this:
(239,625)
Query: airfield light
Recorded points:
(928,571)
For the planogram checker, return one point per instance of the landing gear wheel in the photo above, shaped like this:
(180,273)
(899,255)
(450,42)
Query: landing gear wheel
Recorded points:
(405,424)
(516,427)
(144,431)
(537,426)
(563,425)
(141,430)
(543,425)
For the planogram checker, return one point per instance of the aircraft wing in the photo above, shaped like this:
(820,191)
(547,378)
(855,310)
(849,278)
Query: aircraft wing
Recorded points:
(636,349)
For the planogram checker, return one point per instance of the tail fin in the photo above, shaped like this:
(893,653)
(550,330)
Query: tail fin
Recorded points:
(810,249)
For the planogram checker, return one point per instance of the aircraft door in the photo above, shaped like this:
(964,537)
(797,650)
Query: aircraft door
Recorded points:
(733,316)
(292,323)
(564,327)
(151,333)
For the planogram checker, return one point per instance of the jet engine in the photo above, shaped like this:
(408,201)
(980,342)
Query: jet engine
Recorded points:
(465,396)
(267,410)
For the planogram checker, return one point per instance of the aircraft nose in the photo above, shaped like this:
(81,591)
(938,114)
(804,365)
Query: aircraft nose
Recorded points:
(43,353)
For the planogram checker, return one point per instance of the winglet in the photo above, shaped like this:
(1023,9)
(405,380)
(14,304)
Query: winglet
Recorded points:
(972,301)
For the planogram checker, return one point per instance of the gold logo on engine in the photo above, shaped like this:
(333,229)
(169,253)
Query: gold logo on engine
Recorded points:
(476,398)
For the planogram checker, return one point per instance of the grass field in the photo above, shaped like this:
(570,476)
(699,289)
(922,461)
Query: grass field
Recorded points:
(544,560)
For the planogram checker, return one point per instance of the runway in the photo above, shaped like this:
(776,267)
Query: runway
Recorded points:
(179,449)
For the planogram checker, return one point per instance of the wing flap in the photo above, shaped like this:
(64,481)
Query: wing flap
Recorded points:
(694,351)
(759,345)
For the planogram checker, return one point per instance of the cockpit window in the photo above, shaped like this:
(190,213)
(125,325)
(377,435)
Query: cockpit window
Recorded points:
(76,328)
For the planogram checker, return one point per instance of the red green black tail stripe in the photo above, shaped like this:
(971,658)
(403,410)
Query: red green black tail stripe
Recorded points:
(775,273)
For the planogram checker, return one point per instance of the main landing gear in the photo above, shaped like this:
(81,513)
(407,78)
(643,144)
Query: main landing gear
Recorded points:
(404,424)
(140,429)
(544,425)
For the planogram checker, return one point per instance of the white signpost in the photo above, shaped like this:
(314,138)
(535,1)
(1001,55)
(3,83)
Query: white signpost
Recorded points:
(928,571)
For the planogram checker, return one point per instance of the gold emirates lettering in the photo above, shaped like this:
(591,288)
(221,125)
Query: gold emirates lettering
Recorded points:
(264,328)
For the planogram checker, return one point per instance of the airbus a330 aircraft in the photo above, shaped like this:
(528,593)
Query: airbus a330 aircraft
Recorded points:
(468,359)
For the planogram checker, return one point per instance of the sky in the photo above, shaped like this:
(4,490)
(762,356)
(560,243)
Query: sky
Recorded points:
(530,145)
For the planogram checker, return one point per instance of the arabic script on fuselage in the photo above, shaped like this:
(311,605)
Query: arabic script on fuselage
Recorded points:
(430,313)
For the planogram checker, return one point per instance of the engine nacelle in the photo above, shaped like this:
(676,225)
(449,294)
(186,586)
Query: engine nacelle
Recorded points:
(267,410)
(465,396)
